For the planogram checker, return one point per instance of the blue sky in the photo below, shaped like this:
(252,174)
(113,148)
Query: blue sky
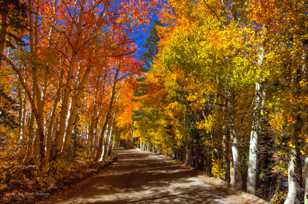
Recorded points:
(140,35)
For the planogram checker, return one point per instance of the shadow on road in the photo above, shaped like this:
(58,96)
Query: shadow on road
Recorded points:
(141,177)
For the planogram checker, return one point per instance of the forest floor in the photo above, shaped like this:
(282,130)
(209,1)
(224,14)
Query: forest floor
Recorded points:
(143,177)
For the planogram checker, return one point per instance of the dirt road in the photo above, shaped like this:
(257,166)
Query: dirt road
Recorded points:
(142,177)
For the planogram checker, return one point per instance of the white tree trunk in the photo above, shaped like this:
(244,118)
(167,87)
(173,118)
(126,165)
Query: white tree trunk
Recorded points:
(102,155)
(101,158)
(292,180)
(108,143)
(252,163)
(235,174)
(66,123)
(255,131)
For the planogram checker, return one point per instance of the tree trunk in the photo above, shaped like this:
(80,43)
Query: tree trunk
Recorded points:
(188,152)
(235,173)
(110,138)
(75,105)
(103,147)
(58,142)
(226,145)
(91,135)
(108,142)
(253,143)
(255,132)
(67,117)
(293,184)
(51,145)
(235,180)
(41,146)
(30,136)
(70,125)
(107,118)
(295,180)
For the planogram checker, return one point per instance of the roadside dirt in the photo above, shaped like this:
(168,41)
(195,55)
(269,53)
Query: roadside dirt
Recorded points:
(146,178)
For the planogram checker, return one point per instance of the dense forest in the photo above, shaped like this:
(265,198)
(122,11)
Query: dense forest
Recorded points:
(227,93)
(220,85)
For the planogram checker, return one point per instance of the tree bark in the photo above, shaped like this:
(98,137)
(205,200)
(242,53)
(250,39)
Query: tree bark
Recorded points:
(107,118)
(253,143)
(235,179)
(293,184)
(226,147)
(58,142)
(74,108)
(235,173)
(109,139)
(295,179)
(188,151)
(51,144)
(255,132)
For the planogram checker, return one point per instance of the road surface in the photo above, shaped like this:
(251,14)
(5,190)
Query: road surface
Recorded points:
(145,178)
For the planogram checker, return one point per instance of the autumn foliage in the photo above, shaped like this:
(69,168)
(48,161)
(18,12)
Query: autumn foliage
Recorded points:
(226,93)
(220,85)
(67,73)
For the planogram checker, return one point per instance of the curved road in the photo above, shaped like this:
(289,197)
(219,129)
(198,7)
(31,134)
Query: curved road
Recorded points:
(143,177)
